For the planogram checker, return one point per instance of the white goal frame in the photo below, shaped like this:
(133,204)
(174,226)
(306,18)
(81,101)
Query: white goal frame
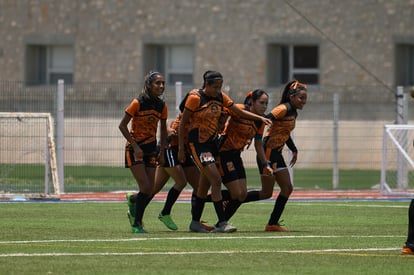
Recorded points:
(404,161)
(50,161)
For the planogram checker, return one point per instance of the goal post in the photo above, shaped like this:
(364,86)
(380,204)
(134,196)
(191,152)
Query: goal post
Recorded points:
(28,156)
(397,168)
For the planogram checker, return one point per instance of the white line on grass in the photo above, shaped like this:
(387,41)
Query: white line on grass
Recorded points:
(198,252)
(355,205)
(198,238)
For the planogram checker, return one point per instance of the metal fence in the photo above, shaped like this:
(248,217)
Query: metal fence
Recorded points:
(346,133)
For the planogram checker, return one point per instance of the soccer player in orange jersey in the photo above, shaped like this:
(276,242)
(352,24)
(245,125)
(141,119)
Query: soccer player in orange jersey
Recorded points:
(144,113)
(283,117)
(238,134)
(203,108)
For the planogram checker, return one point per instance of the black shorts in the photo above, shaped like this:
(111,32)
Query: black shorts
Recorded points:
(149,159)
(276,160)
(203,154)
(171,158)
(231,166)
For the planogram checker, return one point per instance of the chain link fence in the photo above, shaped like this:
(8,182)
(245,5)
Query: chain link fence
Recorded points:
(94,147)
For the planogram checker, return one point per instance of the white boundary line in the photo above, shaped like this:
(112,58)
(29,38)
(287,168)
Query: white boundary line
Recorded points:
(64,254)
(198,238)
(198,252)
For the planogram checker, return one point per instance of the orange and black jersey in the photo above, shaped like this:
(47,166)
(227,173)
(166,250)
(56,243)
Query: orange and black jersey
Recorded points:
(146,113)
(173,139)
(206,112)
(283,117)
(239,131)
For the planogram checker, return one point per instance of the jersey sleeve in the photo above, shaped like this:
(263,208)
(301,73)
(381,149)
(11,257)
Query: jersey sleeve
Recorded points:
(192,102)
(133,107)
(279,111)
(227,101)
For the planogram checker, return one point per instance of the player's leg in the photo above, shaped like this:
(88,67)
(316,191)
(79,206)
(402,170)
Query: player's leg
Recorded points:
(408,248)
(143,176)
(197,205)
(177,173)
(238,192)
(283,179)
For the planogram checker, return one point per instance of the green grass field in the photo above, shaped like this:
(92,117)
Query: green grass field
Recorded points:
(326,237)
(30,178)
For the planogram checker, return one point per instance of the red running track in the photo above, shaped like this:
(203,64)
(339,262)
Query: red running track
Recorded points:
(297,194)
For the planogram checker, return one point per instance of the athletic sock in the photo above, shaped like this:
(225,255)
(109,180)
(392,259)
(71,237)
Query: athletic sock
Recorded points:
(252,196)
(278,209)
(231,208)
(225,194)
(218,206)
(197,208)
(172,197)
(142,200)
(410,238)
(133,198)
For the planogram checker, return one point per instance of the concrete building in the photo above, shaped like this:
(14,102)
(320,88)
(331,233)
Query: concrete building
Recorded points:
(258,43)
(359,49)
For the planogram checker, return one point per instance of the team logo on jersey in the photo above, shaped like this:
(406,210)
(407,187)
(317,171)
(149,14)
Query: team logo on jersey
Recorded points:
(151,119)
(230,166)
(214,108)
(206,157)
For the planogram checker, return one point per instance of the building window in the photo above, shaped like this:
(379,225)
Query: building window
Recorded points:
(287,62)
(46,64)
(404,64)
(174,61)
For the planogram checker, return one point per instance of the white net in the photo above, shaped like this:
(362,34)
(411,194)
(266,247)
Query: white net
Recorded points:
(27,150)
(397,172)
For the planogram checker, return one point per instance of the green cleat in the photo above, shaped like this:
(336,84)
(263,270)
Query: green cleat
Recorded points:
(130,218)
(167,221)
(138,229)
(131,205)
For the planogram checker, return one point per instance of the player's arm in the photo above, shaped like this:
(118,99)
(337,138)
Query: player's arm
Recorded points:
(181,133)
(123,127)
(264,163)
(163,140)
(249,115)
(291,145)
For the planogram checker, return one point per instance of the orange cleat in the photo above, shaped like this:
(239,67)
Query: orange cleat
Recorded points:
(275,228)
(206,227)
(407,250)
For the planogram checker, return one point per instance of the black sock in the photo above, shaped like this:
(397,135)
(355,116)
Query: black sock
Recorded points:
(252,196)
(172,197)
(197,208)
(218,206)
(208,199)
(278,209)
(410,238)
(231,208)
(142,200)
(225,194)
(133,198)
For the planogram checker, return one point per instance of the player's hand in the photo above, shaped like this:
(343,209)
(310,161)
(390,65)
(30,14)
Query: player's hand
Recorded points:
(160,158)
(267,121)
(138,153)
(294,158)
(171,132)
(267,171)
